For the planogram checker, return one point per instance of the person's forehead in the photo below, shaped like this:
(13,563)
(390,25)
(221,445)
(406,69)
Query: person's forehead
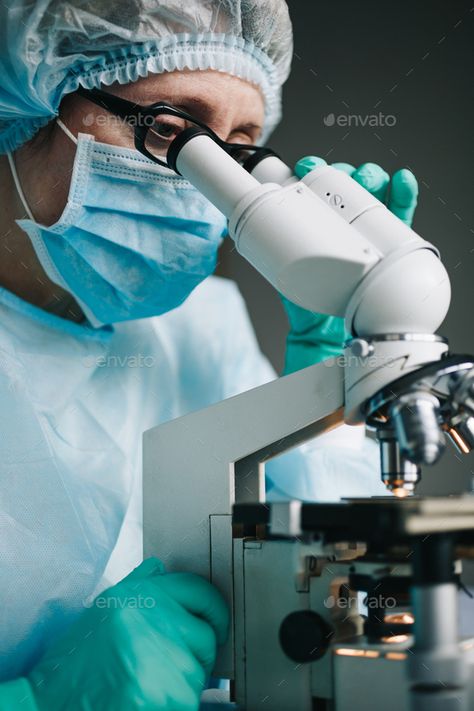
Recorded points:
(209,91)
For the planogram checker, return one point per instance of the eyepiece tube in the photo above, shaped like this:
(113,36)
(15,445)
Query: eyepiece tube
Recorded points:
(197,157)
(267,167)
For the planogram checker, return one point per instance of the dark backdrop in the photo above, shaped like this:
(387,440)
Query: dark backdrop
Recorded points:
(411,62)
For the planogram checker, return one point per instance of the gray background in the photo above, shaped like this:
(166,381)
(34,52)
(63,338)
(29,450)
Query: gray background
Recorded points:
(412,61)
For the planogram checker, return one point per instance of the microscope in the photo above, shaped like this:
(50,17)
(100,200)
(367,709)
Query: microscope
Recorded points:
(292,572)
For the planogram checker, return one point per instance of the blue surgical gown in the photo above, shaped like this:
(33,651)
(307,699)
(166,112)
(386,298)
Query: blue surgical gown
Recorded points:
(74,402)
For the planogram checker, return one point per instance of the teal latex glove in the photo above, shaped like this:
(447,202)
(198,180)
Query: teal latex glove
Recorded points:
(314,337)
(147,643)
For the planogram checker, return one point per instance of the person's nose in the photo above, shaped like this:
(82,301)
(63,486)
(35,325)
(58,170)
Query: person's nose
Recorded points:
(222,126)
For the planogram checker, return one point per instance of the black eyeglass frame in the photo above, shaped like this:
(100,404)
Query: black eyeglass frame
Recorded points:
(128,110)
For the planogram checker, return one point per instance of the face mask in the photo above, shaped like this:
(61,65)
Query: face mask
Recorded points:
(133,240)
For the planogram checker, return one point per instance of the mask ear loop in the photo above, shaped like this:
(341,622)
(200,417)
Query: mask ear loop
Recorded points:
(18,187)
(16,178)
(64,128)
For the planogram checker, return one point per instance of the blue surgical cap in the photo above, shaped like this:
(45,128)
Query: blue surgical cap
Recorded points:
(50,47)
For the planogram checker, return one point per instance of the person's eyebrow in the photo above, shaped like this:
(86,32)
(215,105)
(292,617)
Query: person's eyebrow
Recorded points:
(195,104)
(181,101)
(202,109)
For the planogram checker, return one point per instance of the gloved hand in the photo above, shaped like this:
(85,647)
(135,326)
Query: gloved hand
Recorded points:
(314,337)
(147,643)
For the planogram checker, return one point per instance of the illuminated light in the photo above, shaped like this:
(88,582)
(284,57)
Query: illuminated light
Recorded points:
(395,639)
(400,618)
(398,656)
(467,645)
(370,653)
(400,492)
(459,440)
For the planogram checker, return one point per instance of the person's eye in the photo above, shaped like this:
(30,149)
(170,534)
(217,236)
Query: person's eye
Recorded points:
(161,133)
(240,137)
(167,129)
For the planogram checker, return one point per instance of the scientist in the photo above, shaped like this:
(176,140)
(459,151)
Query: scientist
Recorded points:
(109,325)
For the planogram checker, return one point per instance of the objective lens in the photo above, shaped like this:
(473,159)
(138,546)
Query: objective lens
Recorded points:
(463,393)
(461,433)
(460,428)
(415,416)
(399,475)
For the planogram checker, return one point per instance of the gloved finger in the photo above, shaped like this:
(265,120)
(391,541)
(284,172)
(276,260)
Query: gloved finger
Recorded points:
(169,669)
(374,179)
(200,598)
(307,164)
(200,638)
(147,569)
(346,167)
(150,566)
(152,641)
(403,195)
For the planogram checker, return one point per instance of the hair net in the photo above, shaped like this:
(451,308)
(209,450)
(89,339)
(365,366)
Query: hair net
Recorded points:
(49,47)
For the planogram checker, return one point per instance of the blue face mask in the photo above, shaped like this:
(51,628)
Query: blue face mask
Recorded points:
(133,240)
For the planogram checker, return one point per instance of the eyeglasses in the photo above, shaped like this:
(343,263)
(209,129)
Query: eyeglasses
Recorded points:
(156,126)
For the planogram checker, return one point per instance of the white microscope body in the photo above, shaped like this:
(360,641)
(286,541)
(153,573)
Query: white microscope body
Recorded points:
(330,247)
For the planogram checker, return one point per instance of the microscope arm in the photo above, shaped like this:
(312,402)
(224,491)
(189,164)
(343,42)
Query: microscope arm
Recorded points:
(198,466)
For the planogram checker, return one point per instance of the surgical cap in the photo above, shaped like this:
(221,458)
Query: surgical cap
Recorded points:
(50,47)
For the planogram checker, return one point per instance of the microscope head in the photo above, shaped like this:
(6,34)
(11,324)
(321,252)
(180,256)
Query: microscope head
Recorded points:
(353,258)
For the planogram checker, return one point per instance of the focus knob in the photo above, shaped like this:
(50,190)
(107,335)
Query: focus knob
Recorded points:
(304,636)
